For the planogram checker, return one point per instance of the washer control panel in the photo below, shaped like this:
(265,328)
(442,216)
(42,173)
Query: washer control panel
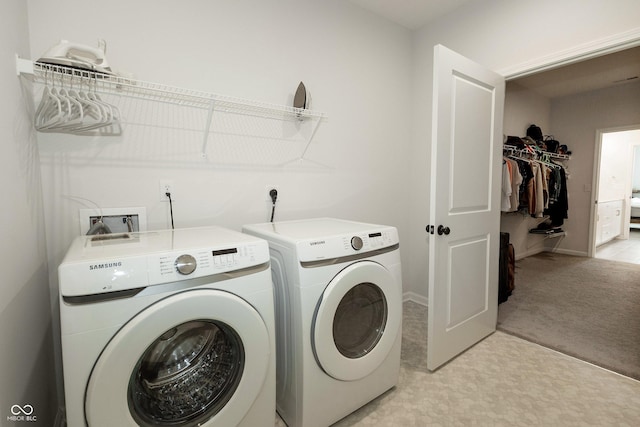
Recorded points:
(198,263)
(156,257)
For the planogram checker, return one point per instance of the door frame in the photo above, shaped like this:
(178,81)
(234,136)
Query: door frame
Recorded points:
(595,185)
(581,52)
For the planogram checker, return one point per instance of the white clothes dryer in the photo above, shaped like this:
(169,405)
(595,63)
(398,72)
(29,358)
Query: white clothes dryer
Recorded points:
(168,328)
(338,305)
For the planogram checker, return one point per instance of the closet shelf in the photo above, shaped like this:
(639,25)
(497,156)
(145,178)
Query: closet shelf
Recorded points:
(555,235)
(138,89)
(515,150)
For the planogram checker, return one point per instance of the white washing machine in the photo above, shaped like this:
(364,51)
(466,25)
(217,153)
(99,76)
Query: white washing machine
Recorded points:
(168,328)
(338,315)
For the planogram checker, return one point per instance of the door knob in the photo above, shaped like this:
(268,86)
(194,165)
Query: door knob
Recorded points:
(443,230)
(431,229)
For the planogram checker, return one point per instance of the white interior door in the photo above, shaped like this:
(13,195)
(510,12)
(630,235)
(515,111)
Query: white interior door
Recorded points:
(464,239)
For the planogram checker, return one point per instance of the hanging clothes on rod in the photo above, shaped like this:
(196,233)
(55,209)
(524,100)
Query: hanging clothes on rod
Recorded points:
(534,183)
(512,179)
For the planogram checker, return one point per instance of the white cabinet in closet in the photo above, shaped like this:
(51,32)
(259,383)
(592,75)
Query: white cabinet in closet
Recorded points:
(609,225)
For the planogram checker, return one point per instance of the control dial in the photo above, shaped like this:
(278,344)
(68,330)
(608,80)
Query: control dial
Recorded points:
(186,264)
(356,243)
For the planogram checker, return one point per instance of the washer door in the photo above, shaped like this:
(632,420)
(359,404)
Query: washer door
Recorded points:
(195,358)
(357,321)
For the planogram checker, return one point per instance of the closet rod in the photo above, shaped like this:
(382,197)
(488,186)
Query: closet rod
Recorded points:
(516,150)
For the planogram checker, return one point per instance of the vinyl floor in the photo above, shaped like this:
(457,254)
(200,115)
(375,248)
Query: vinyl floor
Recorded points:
(622,250)
(501,381)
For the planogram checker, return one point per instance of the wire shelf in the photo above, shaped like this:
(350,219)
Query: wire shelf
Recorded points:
(108,83)
(533,151)
(111,83)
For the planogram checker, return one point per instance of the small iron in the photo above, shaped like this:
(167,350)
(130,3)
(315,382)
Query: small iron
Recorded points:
(300,98)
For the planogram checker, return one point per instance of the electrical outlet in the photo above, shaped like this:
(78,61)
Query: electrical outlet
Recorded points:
(166,186)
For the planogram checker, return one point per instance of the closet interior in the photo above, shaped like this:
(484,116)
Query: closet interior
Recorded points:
(534,201)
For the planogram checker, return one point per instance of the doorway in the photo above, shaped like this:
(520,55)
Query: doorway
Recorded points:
(552,101)
(581,165)
(616,216)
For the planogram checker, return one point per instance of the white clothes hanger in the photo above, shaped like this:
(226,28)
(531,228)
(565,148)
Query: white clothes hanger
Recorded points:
(49,111)
(75,111)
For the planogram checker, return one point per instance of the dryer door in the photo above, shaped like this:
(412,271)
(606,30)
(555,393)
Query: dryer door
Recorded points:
(357,321)
(194,358)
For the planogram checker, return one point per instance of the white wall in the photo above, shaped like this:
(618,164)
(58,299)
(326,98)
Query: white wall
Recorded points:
(26,351)
(523,107)
(356,66)
(500,34)
(575,121)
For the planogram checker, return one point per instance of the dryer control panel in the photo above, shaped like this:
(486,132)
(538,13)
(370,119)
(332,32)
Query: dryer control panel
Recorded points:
(346,245)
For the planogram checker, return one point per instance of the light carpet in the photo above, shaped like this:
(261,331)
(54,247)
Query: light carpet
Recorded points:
(585,307)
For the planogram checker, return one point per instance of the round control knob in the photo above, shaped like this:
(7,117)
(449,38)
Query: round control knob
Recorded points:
(186,264)
(356,243)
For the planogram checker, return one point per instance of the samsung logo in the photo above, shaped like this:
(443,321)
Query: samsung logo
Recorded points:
(105,265)
(317,242)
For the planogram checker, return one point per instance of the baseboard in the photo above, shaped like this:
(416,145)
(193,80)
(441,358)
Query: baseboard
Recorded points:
(520,255)
(567,252)
(414,297)
(552,250)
